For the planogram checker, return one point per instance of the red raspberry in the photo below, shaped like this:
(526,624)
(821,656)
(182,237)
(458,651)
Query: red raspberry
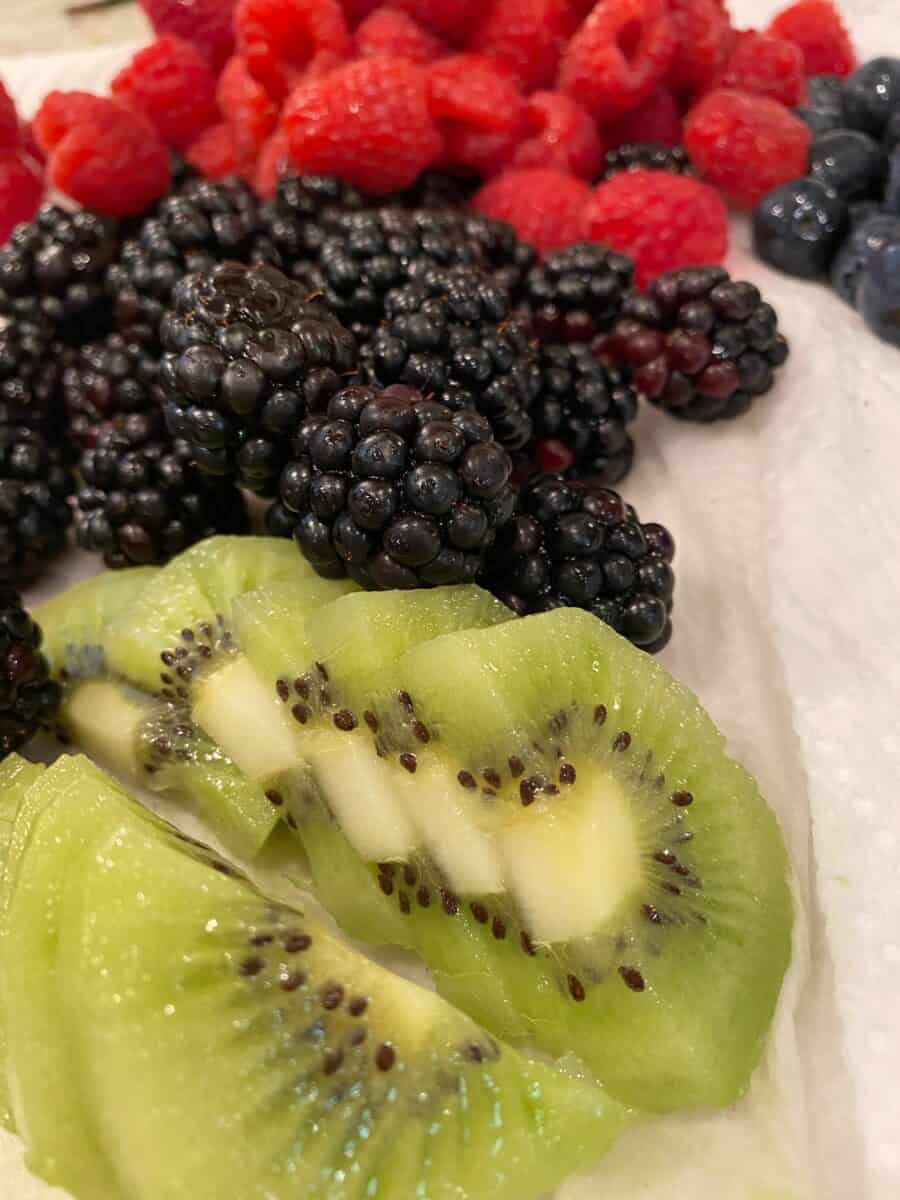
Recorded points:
(546,208)
(618,56)
(658,119)
(62,111)
(9,121)
(560,136)
(745,145)
(389,33)
(528,36)
(476,91)
(206,24)
(703,36)
(279,38)
(116,167)
(367,122)
(765,66)
(170,83)
(213,153)
(272,163)
(356,11)
(21,189)
(452,19)
(477,151)
(660,221)
(248,109)
(816,28)
(30,146)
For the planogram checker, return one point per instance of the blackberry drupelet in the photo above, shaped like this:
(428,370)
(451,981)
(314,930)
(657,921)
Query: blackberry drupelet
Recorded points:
(394,490)
(702,345)
(106,379)
(248,356)
(29,370)
(201,224)
(55,265)
(452,335)
(570,545)
(302,203)
(580,415)
(647,156)
(142,501)
(576,293)
(29,698)
(35,483)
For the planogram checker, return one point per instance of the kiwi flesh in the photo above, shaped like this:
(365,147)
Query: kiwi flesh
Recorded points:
(209,1041)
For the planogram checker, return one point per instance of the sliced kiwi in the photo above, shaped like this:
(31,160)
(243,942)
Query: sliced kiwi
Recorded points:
(210,1042)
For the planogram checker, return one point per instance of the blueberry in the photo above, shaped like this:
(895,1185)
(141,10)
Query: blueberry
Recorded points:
(799,226)
(851,260)
(825,91)
(879,293)
(892,130)
(850,163)
(892,188)
(871,94)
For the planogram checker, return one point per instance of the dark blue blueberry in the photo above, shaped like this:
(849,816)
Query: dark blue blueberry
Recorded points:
(850,163)
(825,91)
(871,94)
(892,131)
(892,187)
(879,293)
(865,240)
(799,226)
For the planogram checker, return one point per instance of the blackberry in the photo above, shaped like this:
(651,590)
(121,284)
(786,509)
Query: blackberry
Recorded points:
(646,156)
(105,379)
(394,490)
(304,201)
(572,545)
(576,293)
(452,335)
(702,345)
(29,698)
(29,370)
(248,355)
(143,501)
(202,224)
(55,266)
(35,483)
(438,189)
(580,415)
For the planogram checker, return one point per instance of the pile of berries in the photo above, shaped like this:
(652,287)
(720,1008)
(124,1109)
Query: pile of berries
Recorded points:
(840,220)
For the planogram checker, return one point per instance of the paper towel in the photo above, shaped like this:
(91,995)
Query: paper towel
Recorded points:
(788,587)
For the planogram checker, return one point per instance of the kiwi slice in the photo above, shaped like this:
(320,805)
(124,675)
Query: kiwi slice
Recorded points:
(208,1041)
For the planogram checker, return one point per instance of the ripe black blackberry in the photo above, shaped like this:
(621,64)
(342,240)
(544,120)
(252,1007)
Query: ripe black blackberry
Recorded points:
(439,189)
(575,293)
(142,501)
(647,156)
(248,356)
(29,370)
(105,379)
(29,698)
(55,265)
(394,490)
(702,345)
(301,204)
(201,224)
(580,415)
(35,483)
(570,545)
(452,335)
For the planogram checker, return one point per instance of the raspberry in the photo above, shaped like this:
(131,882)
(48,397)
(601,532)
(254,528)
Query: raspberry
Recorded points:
(452,19)
(815,27)
(545,208)
(117,167)
(765,65)
(9,121)
(657,120)
(661,221)
(21,188)
(356,11)
(206,24)
(476,91)
(703,37)
(477,151)
(273,162)
(60,112)
(745,145)
(279,38)
(561,136)
(618,56)
(29,144)
(388,33)
(528,36)
(171,84)
(248,109)
(367,122)
(213,153)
